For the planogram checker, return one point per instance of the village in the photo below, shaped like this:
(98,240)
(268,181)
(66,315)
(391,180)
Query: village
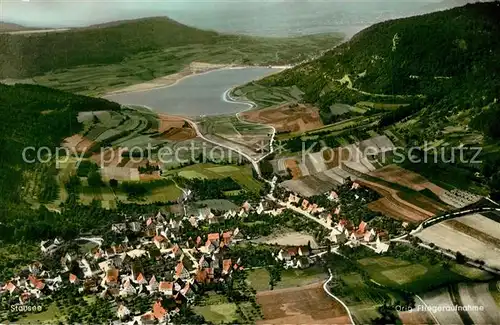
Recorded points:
(158,257)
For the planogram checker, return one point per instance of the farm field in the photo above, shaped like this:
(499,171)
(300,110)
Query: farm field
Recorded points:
(267,96)
(473,243)
(217,314)
(220,205)
(418,315)
(296,277)
(78,144)
(478,294)
(441,299)
(400,274)
(318,183)
(250,138)
(404,177)
(361,298)
(166,192)
(286,118)
(479,297)
(407,178)
(150,65)
(416,318)
(293,167)
(471,273)
(405,205)
(241,174)
(302,305)
(345,124)
(259,278)
(323,171)
(481,224)
(131,129)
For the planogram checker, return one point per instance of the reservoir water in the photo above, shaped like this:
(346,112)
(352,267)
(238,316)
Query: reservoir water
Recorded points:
(196,95)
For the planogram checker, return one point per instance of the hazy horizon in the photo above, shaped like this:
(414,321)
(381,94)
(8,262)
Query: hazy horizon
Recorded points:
(278,18)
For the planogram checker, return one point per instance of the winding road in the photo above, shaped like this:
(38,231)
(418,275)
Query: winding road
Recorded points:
(226,96)
(325,287)
(451,215)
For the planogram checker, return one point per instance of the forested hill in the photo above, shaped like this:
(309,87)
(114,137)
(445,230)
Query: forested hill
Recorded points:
(8,27)
(32,54)
(34,116)
(449,54)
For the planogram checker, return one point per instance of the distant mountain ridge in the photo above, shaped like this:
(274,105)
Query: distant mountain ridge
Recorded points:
(448,4)
(437,54)
(28,55)
(9,27)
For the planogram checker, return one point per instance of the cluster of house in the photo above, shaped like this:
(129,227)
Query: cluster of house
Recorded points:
(295,257)
(122,270)
(343,231)
(212,217)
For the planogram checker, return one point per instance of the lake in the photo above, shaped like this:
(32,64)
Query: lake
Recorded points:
(196,95)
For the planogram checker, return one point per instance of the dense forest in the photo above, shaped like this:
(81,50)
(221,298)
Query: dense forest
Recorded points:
(33,116)
(448,58)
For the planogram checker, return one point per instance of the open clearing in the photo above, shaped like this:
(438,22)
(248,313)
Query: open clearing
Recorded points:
(192,174)
(241,174)
(302,305)
(259,278)
(401,274)
(289,239)
(49,316)
(382,262)
(287,117)
(220,313)
(405,274)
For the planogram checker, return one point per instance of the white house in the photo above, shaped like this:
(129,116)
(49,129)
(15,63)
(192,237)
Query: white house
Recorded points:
(370,235)
(153,285)
(260,208)
(127,289)
(381,247)
(122,312)
(338,237)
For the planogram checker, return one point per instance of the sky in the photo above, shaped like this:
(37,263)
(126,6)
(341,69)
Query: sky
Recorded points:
(74,13)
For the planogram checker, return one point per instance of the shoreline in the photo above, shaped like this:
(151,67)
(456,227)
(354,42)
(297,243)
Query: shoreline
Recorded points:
(225,96)
(194,69)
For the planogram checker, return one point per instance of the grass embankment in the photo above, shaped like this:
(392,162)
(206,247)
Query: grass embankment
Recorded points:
(241,174)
